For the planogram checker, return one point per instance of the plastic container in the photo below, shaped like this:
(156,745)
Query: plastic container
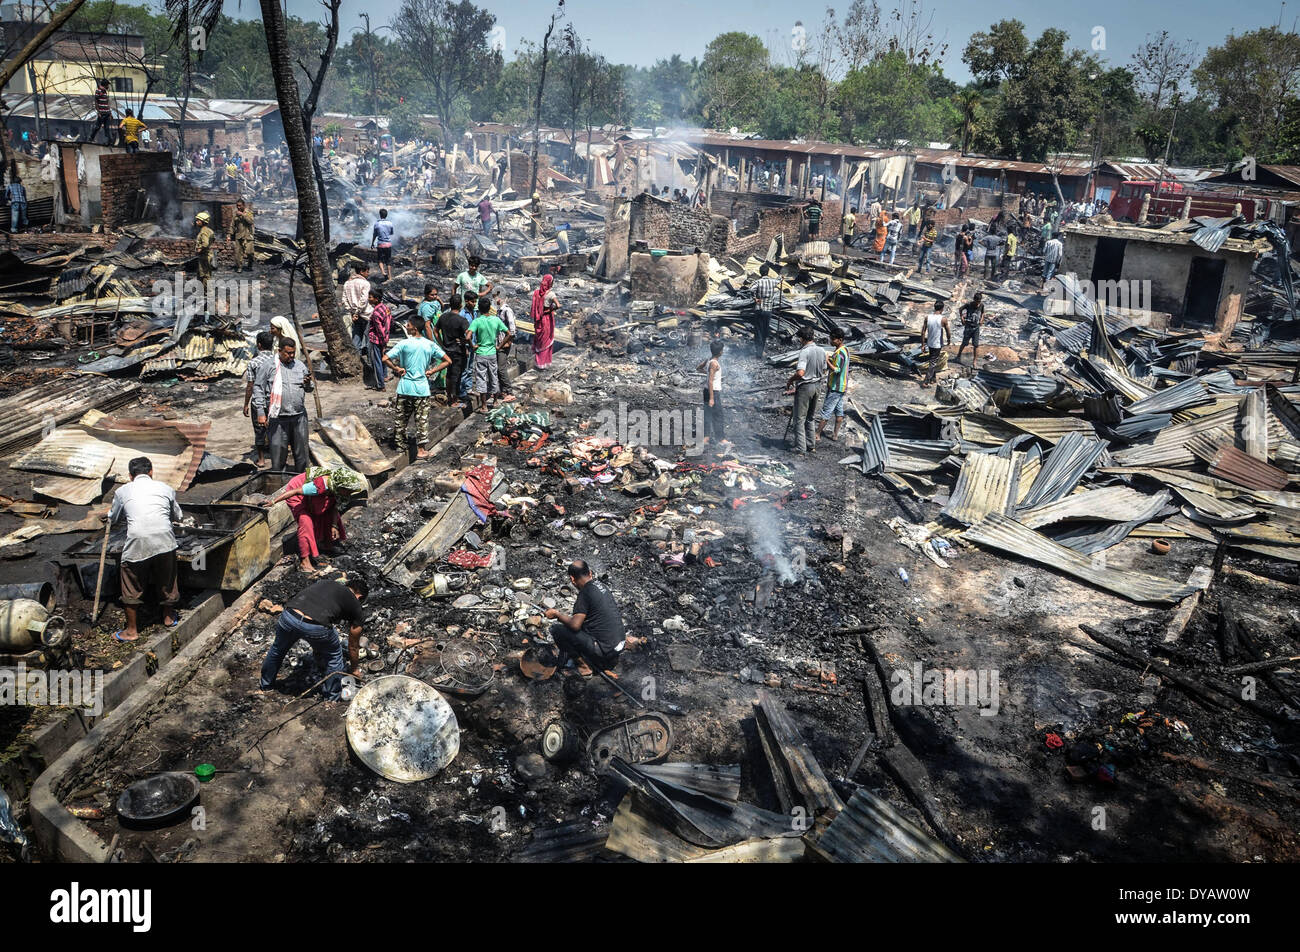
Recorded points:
(205,772)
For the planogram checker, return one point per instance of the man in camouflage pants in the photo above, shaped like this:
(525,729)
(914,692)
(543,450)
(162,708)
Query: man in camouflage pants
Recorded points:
(241,233)
(414,360)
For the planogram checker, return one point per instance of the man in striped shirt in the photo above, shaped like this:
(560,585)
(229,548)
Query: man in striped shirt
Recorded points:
(767,298)
(103,114)
(837,386)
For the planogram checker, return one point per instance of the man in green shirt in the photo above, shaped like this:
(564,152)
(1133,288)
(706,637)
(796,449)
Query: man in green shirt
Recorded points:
(484,331)
(414,359)
(473,280)
(837,386)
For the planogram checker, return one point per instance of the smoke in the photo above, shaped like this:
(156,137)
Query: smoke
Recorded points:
(767,541)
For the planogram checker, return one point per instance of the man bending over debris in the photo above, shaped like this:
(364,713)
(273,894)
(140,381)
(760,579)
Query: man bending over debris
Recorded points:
(149,557)
(241,233)
(416,359)
(279,400)
(310,616)
(806,385)
(594,632)
(936,333)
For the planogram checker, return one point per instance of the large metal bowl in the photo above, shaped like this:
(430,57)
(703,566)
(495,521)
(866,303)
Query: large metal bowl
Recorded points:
(158,800)
(402,728)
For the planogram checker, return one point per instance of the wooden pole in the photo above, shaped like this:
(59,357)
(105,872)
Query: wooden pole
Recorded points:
(99,582)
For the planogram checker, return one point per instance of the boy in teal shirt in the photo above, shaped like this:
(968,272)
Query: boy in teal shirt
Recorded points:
(837,386)
(414,359)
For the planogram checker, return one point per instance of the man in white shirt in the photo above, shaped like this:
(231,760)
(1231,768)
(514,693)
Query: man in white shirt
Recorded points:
(937,333)
(1053,251)
(356,300)
(149,557)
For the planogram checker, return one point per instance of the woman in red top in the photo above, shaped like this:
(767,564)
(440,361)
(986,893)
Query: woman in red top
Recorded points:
(313,499)
(381,325)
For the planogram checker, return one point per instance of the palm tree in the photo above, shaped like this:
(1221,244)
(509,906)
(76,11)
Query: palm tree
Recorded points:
(971,105)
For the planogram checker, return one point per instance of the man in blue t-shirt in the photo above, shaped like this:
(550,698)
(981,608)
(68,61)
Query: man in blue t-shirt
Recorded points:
(381,239)
(414,359)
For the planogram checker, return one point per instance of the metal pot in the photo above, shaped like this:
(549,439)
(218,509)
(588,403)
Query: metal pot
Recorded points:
(42,592)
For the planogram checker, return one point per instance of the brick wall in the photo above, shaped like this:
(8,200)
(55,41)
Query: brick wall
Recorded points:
(120,177)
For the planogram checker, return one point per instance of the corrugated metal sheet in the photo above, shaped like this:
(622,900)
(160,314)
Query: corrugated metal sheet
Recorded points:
(917,456)
(875,451)
(25,415)
(1006,535)
(1109,504)
(987,483)
(1170,446)
(1254,424)
(869,830)
(100,444)
(1212,510)
(1063,467)
(990,430)
(1026,389)
(1235,466)
(1185,394)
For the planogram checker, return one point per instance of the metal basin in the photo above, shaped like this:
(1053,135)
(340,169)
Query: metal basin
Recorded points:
(158,800)
(402,728)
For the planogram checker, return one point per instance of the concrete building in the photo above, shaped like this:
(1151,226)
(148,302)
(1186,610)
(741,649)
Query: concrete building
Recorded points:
(1165,271)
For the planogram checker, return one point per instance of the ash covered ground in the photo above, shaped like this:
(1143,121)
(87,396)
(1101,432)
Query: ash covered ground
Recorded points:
(1188,781)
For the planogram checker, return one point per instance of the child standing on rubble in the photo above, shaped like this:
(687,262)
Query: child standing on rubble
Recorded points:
(712,368)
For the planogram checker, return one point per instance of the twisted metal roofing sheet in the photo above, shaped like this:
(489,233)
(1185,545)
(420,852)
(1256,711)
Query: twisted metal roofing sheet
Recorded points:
(1004,534)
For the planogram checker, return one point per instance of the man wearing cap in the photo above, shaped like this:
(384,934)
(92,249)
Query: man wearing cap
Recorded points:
(205,249)
(241,233)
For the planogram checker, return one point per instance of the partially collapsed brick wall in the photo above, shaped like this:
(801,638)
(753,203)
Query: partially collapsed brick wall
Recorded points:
(120,177)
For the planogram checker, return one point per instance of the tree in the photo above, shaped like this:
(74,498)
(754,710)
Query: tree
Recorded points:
(859,36)
(1047,96)
(1253,79)
(970,106)
(1161,66)
(890,100)
(315,81)
(537,111)
(448,44)
(734,79)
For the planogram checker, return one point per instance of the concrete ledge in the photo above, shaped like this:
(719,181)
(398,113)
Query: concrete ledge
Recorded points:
(51,740)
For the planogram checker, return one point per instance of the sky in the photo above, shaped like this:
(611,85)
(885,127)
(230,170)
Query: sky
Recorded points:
(641,33)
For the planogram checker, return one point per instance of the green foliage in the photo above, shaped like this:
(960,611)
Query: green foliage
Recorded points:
(1254,80)
(734,81)
(890,100)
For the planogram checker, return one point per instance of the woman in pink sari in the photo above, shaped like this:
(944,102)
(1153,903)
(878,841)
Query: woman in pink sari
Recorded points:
(313,499)
(545,303)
